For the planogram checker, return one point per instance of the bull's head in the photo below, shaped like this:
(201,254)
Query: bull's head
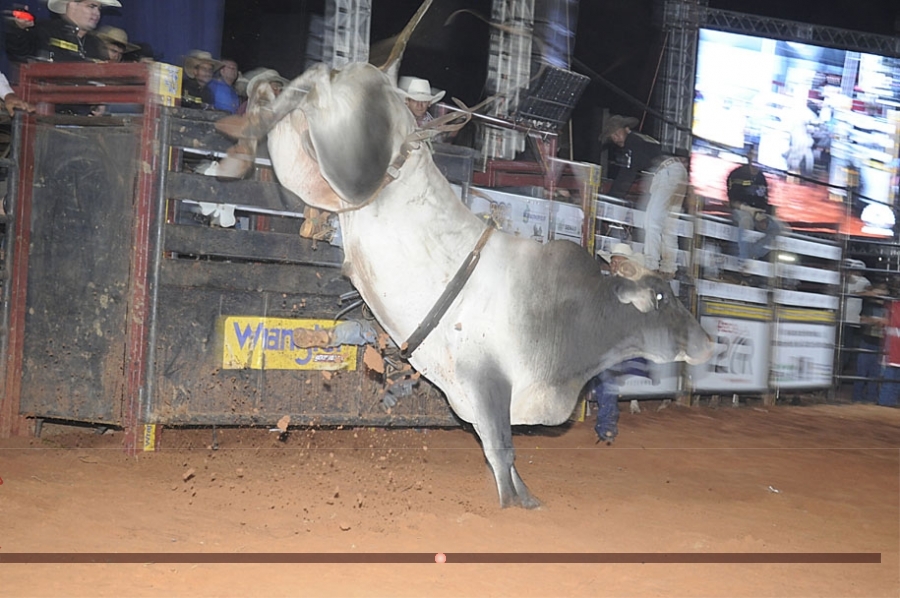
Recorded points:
(668,331)
(340,128)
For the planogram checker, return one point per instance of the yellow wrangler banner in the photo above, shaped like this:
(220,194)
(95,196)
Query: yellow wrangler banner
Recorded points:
(252,342)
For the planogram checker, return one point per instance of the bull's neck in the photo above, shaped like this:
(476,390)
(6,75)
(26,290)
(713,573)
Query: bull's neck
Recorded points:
(403,248)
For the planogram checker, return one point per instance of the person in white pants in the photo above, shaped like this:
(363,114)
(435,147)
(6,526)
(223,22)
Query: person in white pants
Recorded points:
(662,202)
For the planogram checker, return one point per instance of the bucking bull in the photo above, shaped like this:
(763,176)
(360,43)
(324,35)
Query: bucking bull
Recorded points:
(509,329)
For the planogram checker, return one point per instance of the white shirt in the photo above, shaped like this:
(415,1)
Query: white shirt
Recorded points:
(5,89)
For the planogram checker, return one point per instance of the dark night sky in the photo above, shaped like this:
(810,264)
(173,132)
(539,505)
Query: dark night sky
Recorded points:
(618,39)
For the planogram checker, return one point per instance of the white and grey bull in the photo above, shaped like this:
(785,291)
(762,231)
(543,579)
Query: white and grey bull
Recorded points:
(531,325)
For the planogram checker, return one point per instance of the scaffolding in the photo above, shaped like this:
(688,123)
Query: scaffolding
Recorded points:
(346,32)
(509,70)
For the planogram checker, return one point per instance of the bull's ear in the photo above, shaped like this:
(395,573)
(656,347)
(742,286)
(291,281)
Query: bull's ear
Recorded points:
(643,298)
(631,269)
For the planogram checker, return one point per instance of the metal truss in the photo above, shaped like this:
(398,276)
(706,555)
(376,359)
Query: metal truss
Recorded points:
(347,24)
(843,39)
(682,20)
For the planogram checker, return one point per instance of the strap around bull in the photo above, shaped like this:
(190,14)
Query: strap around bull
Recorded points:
(443,303)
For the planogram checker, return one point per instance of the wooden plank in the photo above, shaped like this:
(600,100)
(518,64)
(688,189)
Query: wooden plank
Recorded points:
(251,245)
(282,278)
(199,135)
(260,194)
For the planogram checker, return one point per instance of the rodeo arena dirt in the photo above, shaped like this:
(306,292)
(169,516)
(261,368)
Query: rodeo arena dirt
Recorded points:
(405,398)
(681,481)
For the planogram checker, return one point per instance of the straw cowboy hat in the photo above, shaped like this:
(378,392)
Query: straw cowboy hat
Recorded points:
(616,122)
(622,250)
(114,35)
(59,6)
(419,90)
(195,57)
(257,77)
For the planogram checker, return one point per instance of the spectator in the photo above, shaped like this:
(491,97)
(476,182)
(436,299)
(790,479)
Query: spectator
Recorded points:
(225,98)
(661,202)
(199,68)
(247,84)
(59,40)
(419,97)
(144,53)
(11,101)
(116,41)
(868,362)
(604,387)
(748,197)
(856,286)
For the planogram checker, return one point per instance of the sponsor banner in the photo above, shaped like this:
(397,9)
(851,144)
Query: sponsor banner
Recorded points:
(740,362)
(892,335)
(528,217)
(256,343)
(802,355)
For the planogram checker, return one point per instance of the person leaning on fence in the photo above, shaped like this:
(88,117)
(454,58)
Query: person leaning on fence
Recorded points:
(662,201)
(59,40)
(199,68)
(11,101)
(869,366)
(748,198)
(604,387)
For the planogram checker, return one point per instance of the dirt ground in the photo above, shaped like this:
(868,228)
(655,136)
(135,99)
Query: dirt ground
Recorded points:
(822,478)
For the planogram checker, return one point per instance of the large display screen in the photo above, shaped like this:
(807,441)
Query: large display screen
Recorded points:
(822,119)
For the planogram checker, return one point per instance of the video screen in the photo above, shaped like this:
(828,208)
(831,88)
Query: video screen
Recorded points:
(823,120)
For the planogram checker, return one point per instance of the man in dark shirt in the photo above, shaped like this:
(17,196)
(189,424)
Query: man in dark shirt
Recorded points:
(59,40)
(199,68)
(662,202)
(748,197)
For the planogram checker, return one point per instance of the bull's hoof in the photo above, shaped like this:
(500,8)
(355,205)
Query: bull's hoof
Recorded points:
(526,502)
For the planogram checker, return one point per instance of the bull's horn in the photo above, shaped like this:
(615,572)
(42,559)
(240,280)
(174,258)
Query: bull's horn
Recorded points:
(392,66)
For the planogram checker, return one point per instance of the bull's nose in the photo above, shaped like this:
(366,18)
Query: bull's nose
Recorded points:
(701,352)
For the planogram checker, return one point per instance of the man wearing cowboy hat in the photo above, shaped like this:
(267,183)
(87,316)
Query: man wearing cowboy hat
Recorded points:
(604,387)
(199,68)
(59,40)
(619,256)
(419,97)
(116,41)
(663,199)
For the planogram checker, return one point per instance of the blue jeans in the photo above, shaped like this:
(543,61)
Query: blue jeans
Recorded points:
(890,388)
(868,365)
(604,388)
(745,222)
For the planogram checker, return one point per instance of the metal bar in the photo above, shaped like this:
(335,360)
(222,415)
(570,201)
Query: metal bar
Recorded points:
(156,260)
(139,294)
(10,233)
(23,153)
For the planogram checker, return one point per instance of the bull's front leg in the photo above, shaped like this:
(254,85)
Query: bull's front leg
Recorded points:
(491,396)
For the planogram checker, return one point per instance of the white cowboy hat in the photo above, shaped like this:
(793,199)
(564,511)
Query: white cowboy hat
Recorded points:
(114,35)
(622,250)
(195,57)
(419,90)
(59,6)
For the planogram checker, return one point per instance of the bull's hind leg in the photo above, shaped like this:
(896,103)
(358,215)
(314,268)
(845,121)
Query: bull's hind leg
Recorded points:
(492,424)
